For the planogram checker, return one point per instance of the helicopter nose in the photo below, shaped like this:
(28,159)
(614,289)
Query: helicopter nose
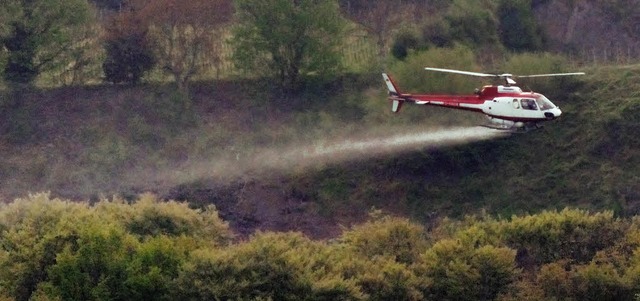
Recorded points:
(555,113)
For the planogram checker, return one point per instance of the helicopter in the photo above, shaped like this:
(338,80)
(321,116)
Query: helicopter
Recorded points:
(506,106)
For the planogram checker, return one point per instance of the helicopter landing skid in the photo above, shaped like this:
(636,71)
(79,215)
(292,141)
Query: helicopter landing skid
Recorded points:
(514,129)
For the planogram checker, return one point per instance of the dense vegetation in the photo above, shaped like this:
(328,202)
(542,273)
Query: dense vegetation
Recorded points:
(490,220)
(113,250)
(142,247)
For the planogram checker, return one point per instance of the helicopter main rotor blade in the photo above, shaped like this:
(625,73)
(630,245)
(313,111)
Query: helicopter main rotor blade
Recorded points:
(462,72)
(551,74)
(508,77)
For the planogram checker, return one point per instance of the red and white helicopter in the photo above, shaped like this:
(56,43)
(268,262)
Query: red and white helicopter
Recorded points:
(506,106)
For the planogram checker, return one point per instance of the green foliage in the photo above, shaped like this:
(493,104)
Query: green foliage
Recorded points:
(287,40)
(93,267)
(385,279)
(555,281)
(473,22)
(542,63)
(518,29)
(437,32)
(52,249)
(396,238)
(34,230)
(269,266)
(152,218)
(410,75)
(38,32)
(570,234)
(113,250)
(466,272)
(600,281)
(594,281)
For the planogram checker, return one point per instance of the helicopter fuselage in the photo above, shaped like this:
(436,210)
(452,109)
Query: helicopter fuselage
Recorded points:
(506,106)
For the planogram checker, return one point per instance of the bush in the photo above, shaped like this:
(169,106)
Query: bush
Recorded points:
(403,43)
(149,217)
(384,279)
(34,230)
(127,59)
(570,234)
(437,32)
(466,272)
(269,266)
(72,251)
(411,76)
(593,281)
(472,22)
(542,63)
(395,238)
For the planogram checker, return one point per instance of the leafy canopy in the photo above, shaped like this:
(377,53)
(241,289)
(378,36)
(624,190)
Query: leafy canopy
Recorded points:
(286,39)
(36,33)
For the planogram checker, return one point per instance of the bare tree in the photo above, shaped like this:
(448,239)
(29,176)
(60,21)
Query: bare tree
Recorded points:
(184,34)
(380,18)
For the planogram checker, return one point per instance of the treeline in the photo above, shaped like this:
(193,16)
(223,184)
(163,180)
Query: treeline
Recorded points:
(122,41)
(52,249)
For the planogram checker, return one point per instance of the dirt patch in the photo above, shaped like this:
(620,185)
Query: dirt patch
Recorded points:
(251,205)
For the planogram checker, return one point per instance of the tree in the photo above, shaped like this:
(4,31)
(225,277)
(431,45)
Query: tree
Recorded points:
(518,29)
(128,59)
(287,39)
(128,55)
(376,19)
(37,33)
(473,22)
(185,35)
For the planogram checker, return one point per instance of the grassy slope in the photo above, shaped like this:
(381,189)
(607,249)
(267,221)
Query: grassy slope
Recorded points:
(83,143)
(589,158)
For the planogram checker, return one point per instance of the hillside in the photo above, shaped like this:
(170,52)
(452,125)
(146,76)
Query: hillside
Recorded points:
(95,142)
(593,30)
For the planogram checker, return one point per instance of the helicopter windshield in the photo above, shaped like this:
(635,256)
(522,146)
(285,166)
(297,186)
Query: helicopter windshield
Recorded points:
(544,103)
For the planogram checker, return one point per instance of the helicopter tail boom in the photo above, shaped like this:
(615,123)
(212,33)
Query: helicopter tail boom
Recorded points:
(395,97)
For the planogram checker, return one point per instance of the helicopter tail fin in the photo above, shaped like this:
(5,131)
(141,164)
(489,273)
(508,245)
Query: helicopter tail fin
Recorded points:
(394,94)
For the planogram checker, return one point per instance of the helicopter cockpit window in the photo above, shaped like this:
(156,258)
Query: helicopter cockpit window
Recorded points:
(529,104)
(544,103)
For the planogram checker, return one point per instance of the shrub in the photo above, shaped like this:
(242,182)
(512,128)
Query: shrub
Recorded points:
(542,63)
(411,76)
(52,248)
(472,22)
(396,238)
(570,234)
(127,59)
(269,266)
(464,272)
